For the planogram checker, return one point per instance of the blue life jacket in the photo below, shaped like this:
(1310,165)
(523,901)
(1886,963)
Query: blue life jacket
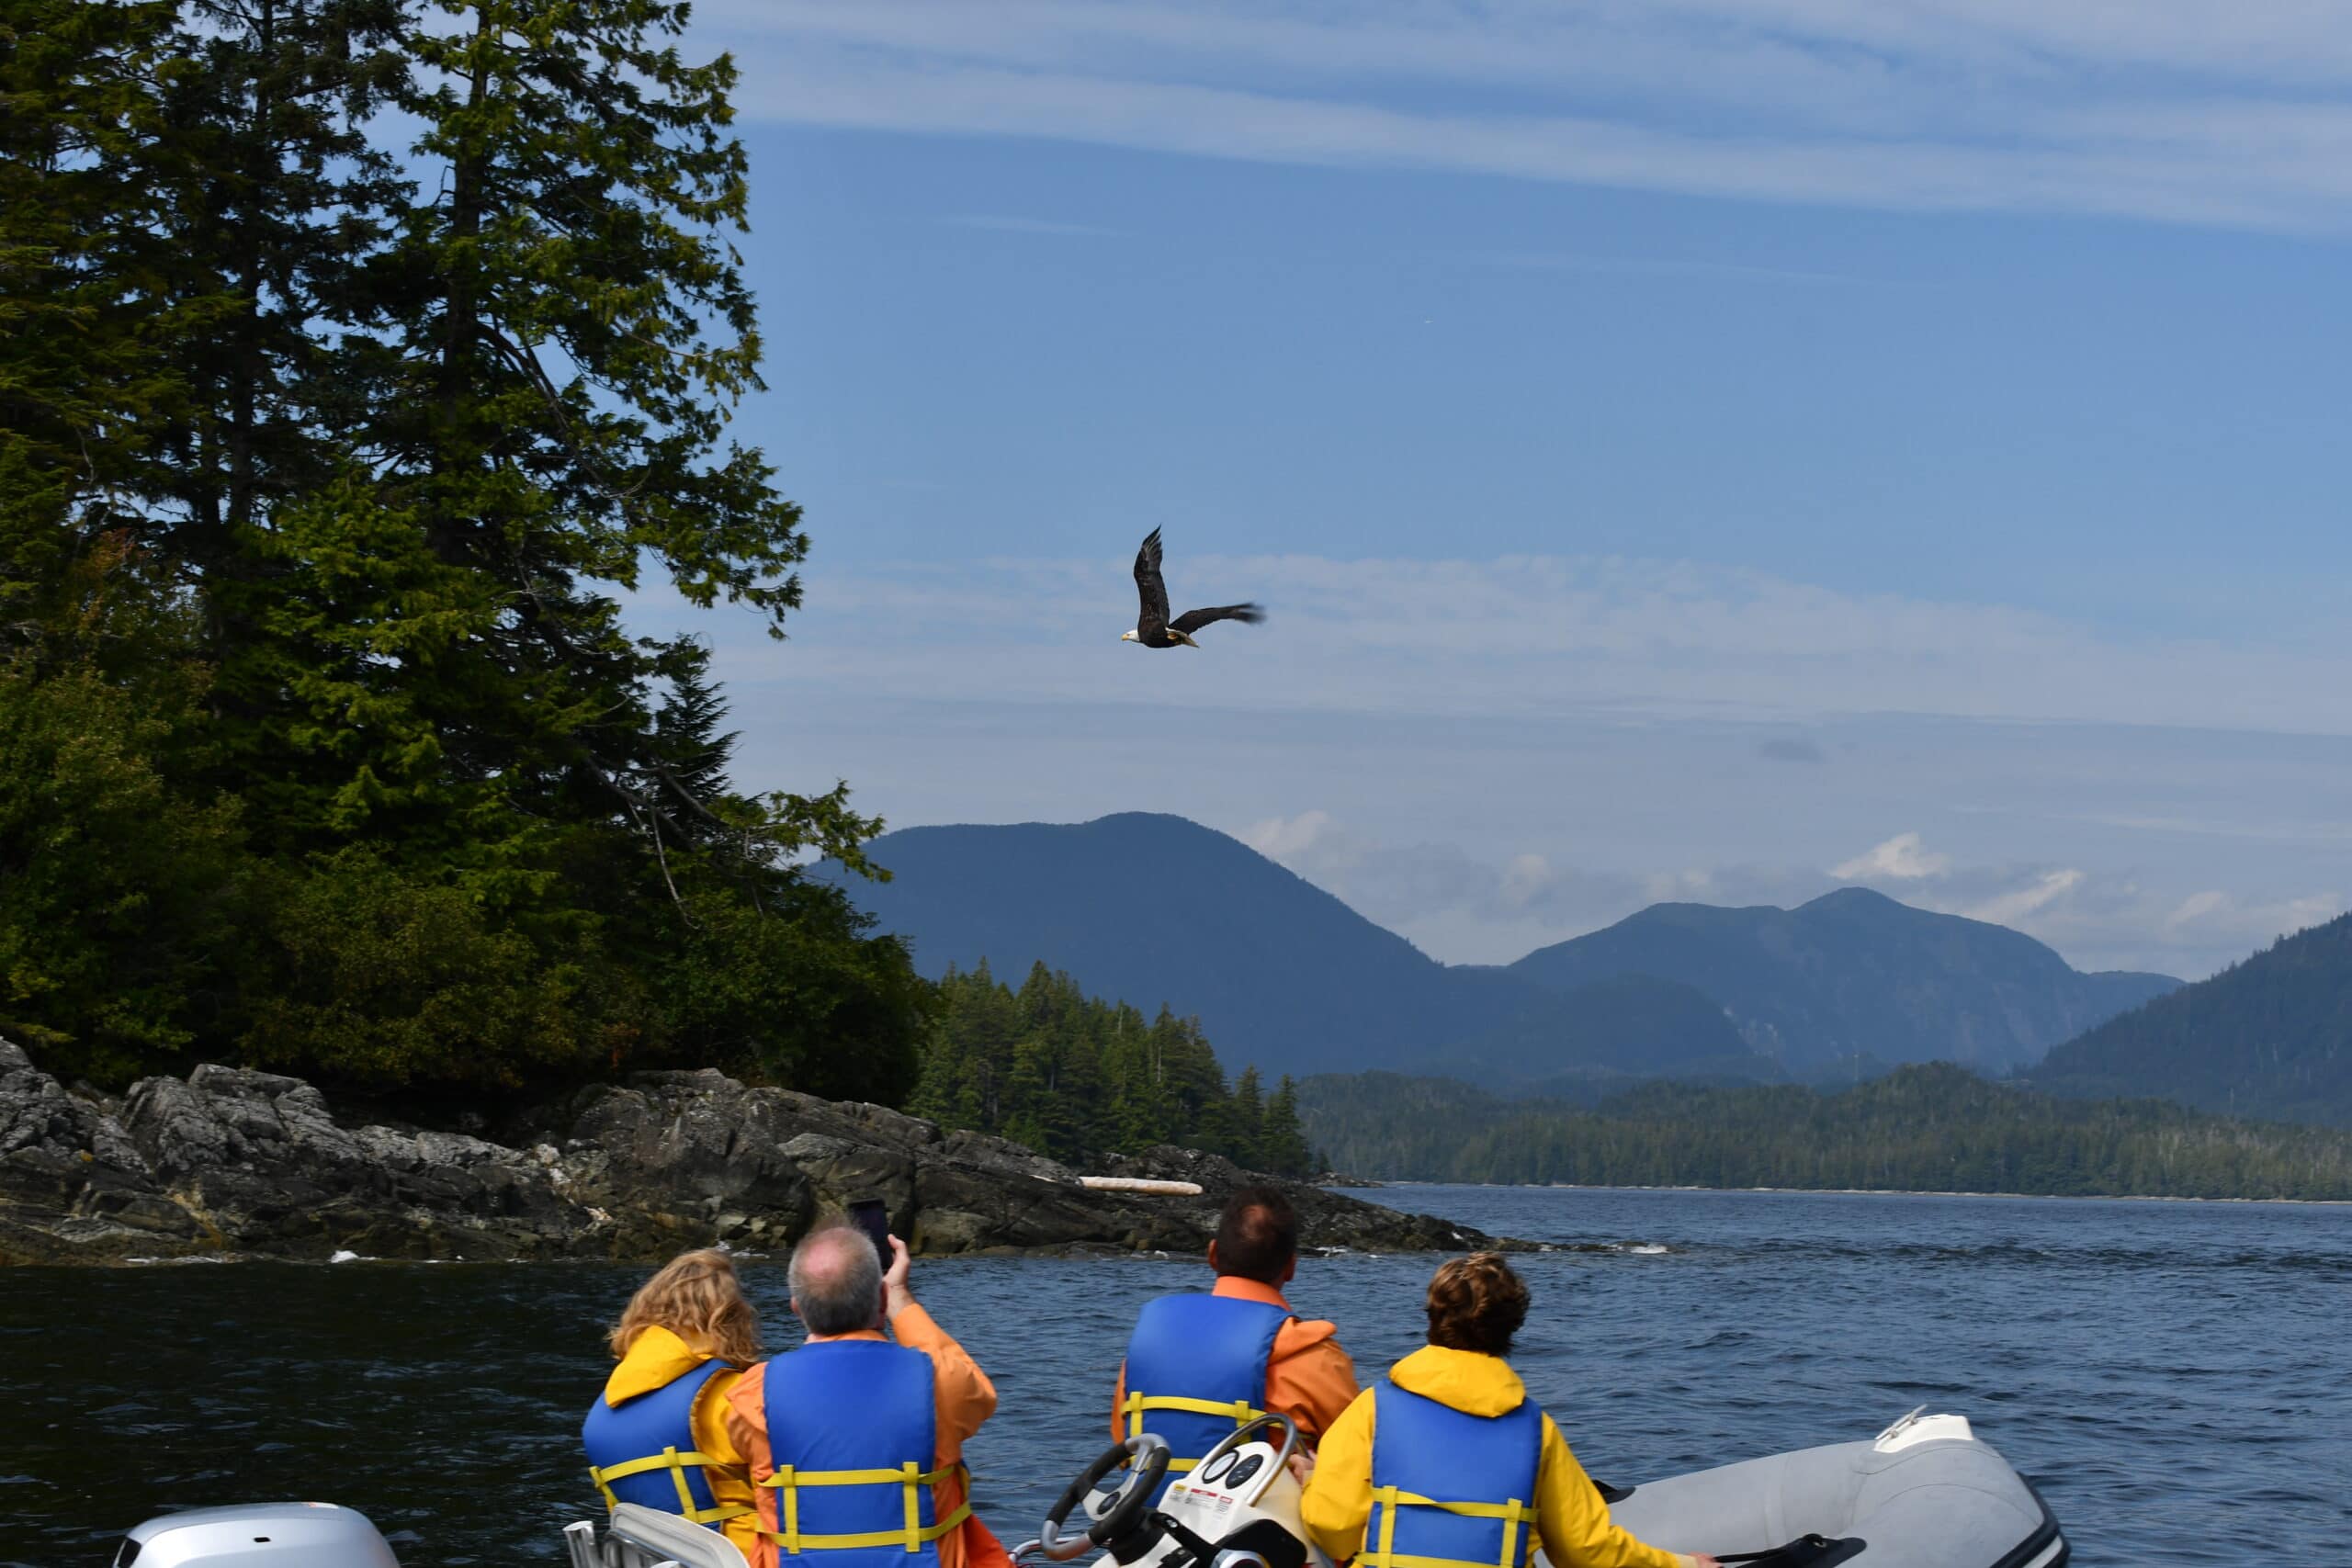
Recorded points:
(1196,1367)
(643,1450)
(1451,1489)
(852,1427)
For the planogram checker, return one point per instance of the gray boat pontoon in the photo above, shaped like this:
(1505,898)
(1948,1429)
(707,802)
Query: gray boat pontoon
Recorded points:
(1925,1494)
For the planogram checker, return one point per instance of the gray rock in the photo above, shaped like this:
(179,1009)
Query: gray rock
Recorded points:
(71,1183)
(257,1164)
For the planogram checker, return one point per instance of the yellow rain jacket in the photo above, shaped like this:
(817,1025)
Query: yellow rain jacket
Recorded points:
(656,1358)
(1570,1519)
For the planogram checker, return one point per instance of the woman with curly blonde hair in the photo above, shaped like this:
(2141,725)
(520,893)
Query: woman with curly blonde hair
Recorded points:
(658,1434)
(1449,1464)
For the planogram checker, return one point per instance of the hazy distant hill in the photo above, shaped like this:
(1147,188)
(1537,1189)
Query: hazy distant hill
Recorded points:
(2269,1037)
(1596,1038)
(1856,973)
(1934,1128)
(1149,909)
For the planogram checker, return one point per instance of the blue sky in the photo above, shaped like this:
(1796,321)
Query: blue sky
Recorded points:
(1688,449)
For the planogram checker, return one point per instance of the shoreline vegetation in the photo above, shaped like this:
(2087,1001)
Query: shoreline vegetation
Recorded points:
(363,359)
(1925,1129)
(1861,1192)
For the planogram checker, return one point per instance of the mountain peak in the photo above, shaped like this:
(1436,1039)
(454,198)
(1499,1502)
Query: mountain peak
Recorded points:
(1855,973)
(2264,1037)
(1149,908)
(1855,899)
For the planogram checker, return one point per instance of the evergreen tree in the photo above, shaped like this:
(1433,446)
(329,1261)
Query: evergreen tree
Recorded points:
(1246,1119)
(93,342)
(370,436)
(1074,1076)
(1281,1142)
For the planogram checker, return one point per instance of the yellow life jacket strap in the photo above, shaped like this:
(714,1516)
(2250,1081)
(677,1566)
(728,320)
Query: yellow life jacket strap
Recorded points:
(1513,1514)
(1240,1410)
(675,1463)
(915,1535)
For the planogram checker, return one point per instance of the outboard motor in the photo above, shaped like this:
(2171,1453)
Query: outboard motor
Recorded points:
(258,1535)
(1238,1509)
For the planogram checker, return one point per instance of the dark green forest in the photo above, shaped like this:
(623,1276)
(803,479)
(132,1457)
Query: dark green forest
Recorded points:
(355,355)
(2269,1036)
(1930,1128)
(1049,1066)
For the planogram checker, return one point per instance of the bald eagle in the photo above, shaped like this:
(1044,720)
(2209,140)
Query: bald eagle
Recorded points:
(1153,628)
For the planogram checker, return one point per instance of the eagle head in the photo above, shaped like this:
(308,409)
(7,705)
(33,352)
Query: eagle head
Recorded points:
(1129,636)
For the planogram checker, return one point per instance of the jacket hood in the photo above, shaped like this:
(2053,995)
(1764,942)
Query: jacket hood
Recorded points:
(655,1358)
(1300,1332)
(1461,1379)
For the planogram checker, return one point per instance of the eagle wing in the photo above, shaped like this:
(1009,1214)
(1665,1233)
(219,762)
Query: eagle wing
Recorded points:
(1151,619)
(1193,620)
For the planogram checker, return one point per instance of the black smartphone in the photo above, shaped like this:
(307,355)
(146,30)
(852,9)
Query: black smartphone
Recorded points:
(872,1217)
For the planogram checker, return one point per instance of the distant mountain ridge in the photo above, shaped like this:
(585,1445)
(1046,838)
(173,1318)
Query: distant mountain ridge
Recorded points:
(1926,1127)
(2270,1036)
(1857,974)
(1153,909)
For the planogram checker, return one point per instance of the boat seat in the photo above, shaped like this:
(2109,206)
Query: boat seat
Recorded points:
(641,1538)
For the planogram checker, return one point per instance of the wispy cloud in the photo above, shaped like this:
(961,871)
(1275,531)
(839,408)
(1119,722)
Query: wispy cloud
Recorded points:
(2169,109)
(2022,904)
(1003,223)
(1455,903)
(1903,858)
(1490,755)
(1657,266)
(1526,635)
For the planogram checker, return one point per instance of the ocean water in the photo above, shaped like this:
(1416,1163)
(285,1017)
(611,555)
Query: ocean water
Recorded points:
(2176,1377)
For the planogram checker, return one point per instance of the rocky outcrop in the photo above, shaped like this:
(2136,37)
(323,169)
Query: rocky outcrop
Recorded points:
(235,1162)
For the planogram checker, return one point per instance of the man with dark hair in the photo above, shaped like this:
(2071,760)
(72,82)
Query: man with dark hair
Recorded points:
(1201,1364)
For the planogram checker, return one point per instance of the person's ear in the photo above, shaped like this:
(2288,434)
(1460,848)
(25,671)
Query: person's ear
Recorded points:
(1212,1268)
(1290,1270)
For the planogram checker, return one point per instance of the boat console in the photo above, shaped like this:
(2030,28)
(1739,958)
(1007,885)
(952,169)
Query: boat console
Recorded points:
(1238,1509)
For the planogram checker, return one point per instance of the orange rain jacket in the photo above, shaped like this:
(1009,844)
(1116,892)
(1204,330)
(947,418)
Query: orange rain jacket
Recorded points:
(1308,1377)
(1570,1519)
(965,1399)
(657,1358)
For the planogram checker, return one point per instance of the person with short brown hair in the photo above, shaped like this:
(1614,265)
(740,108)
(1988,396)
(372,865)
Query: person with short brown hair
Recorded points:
(1449,1464)
(1200,1364)
(658,1435)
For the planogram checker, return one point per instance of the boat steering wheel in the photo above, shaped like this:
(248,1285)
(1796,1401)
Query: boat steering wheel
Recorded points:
(1217,1468)
(1126,1508)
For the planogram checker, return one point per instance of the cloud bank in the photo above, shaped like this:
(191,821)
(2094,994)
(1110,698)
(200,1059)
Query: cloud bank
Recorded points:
(2176,110)
(1529,636)
(1486,756)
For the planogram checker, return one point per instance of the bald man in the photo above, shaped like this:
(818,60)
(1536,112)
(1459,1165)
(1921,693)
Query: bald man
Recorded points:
(855,1442)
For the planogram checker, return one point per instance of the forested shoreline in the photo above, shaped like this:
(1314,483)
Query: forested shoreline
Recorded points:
(356,357)
(1932,1128)
(1072,1075)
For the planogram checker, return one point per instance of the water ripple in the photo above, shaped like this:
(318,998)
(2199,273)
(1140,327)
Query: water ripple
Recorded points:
(2174,1376)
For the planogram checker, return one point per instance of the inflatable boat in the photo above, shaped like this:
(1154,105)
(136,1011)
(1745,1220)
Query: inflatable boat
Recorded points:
(1923,1493)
